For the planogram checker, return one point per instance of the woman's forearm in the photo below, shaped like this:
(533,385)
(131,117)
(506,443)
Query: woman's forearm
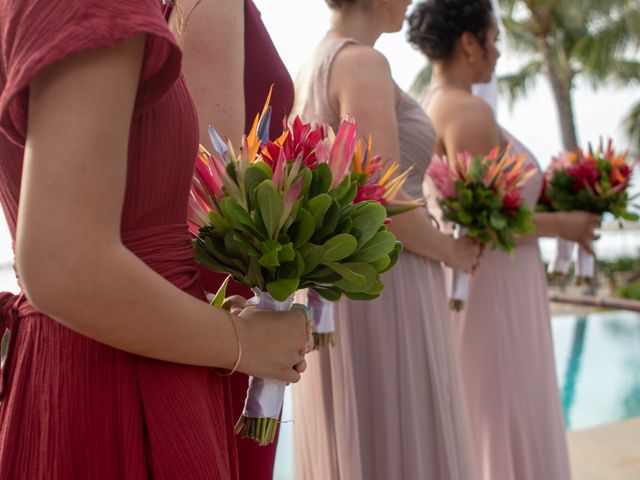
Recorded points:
(110,295)
(418,235)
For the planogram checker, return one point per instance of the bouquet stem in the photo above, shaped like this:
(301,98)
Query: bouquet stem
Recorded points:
(259,421)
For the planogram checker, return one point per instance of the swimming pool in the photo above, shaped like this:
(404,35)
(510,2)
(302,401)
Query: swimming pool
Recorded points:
(598,368)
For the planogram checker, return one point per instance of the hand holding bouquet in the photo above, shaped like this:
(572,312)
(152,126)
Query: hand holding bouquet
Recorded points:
(279,216)
(483,197)
(595,182)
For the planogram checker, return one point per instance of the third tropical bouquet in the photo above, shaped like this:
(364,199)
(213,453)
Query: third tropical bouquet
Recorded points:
(595,181)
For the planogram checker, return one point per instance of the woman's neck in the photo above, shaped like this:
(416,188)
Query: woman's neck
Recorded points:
(356,24)
(453,74)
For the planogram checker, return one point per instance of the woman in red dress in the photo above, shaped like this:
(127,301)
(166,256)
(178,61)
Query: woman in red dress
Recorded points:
(256,58)
(108,368)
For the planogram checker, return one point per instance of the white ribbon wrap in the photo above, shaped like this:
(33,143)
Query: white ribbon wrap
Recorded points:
(322,312)
(562,258)
(460,281)
(585,265)
(265,396)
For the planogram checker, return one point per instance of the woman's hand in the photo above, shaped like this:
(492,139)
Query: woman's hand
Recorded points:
(274,343)
(579,227)
(462,253)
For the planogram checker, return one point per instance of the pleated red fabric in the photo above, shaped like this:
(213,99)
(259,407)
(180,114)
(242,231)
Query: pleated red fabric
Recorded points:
(73,408)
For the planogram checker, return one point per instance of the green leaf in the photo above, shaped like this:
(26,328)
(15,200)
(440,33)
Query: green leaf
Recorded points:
(367,221)
(236,215)
(254,274)
(286,253)
(329,223)
(232,246)
(339,247)
(498,221)
(282,289)
(293,269)
(254,176)
(218,300)
(245,245)
(270,253)
(344,226)
(394,255)
(322,179)
(318,207)
(269,204)
(349,196)
(349,272)
(381,264)
(312,255)
(356,276)
(378,247)
(302,229)
(330,293)
(219,223)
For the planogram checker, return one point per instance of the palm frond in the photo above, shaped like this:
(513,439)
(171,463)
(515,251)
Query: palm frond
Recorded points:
(519,36)
(422,81)
(516,85)
(632,126)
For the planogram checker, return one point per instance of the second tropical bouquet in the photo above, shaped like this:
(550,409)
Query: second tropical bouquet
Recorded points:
(482,196)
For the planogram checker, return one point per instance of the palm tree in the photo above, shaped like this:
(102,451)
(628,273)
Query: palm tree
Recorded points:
(565,39)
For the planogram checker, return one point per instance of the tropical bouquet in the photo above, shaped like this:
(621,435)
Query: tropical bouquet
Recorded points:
(377,181)
(280,216)
(596,181)
(482,196)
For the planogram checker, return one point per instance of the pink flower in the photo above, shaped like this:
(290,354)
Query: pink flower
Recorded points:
(370,191)
(342,151)
(512,201)
(443,178)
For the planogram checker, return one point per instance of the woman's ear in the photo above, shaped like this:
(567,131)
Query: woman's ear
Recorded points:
(469,44)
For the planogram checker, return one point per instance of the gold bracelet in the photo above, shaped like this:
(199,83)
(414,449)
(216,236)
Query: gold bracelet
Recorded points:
(235,330)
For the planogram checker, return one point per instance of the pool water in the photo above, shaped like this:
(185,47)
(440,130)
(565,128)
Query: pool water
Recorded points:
(598,368)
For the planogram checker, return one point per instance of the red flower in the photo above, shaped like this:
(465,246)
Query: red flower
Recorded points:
(300,140)
(585,174)
(512,201)
(620,175)
(370,191)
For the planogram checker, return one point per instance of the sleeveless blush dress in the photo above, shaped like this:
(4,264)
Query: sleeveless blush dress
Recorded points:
(385,402)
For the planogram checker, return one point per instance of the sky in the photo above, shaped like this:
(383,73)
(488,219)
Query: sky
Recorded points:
(296,26)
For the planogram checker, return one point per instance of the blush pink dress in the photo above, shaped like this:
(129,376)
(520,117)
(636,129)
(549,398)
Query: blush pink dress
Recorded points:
(385,402)
(505,352)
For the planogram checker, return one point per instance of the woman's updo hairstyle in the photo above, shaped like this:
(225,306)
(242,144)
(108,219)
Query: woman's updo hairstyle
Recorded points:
(435,25)
(339,3)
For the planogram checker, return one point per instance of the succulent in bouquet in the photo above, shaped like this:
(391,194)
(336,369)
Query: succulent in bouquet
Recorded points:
(280,216)
(482,196)
(597,182)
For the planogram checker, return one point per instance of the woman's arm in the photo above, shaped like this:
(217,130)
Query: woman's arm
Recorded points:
(70,258)
(360,84)
(213,64)
(574,226)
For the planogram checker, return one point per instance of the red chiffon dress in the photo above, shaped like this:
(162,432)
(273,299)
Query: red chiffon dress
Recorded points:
(73,408)
(263,68)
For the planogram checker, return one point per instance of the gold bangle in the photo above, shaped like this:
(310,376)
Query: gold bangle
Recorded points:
(235,330)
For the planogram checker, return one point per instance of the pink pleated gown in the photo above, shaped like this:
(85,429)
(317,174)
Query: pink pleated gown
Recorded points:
(385,402)
(505,352)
